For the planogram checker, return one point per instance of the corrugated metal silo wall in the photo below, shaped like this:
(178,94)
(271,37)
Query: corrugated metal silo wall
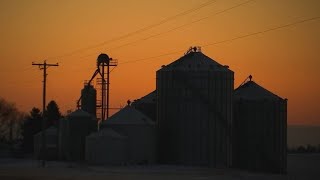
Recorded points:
(62,142)
(77,130)
(141,142)
(195,117)
(51,145)
(104,150)
(88,100)
(260,135)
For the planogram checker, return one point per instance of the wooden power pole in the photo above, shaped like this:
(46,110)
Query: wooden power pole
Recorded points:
(43,66)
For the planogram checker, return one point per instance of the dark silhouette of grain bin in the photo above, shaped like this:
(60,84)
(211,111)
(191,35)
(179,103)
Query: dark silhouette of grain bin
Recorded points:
(195,111)
(51,144)
(107,147)
(88,99)
(140,132)
(147,105)
(260,129)
(73,131)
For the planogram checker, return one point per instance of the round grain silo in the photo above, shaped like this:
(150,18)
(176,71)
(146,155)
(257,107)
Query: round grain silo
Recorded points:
(62,138)
(194,111)
(107,147)
(141,133)
(79,124)
(88,99)
(51,139)
(260,129)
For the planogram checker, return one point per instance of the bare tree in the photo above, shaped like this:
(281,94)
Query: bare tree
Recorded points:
(10,122)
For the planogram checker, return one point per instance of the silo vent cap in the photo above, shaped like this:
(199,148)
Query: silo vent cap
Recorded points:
(193,49)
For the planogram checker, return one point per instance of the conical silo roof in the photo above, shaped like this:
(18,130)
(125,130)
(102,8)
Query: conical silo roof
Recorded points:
(79,113)
(253,91)
(128,116)
(195,61)
(149,98)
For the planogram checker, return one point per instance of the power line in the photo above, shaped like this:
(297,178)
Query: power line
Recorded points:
(139,30)
(184,25)
(153,57)
(264,31)
(230,40)
(173,29)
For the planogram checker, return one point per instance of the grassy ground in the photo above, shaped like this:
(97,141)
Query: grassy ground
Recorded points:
(299,167)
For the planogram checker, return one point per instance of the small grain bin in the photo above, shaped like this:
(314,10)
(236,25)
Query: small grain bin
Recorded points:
(147,105)
(260,129)
(62,139)
(76,126)
(107,147)
(51,136)
(194,111)
(140,131)
(88,99)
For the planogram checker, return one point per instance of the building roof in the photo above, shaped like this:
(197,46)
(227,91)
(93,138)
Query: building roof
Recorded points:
(128,116)
(107,132)
(195,60)
(252,91)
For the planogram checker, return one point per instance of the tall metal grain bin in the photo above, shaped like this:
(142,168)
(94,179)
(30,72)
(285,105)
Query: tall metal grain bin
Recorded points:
(195,111)
(260,129)
(76,127)
(88,99)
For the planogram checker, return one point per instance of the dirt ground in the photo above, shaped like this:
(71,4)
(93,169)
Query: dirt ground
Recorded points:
(299,167)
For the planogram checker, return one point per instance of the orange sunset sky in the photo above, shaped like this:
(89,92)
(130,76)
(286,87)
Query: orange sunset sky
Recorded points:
(285,61)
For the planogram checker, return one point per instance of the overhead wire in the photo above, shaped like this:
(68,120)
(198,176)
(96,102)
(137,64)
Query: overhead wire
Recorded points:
(184,25)
(176,28)
(231,39)
(137,31)
(264,31)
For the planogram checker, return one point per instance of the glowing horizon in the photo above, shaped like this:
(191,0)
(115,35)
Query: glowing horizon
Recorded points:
(284,61)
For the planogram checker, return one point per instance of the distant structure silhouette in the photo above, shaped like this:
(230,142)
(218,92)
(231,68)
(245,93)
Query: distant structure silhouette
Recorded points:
(89,99)
(72,134)
(193,118)
(103,62)
(127,137)
(260,129)
(194,111)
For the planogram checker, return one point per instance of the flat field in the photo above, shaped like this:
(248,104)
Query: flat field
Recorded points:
(300,166)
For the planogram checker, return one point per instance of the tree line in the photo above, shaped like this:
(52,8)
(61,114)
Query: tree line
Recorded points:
(19,128)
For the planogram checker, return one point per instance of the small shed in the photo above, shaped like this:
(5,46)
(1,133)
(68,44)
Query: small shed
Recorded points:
(106,147)
(260,129)
(51,139)
(140,131)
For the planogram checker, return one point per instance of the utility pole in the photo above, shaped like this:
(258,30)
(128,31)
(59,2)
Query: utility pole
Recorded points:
(43,66)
